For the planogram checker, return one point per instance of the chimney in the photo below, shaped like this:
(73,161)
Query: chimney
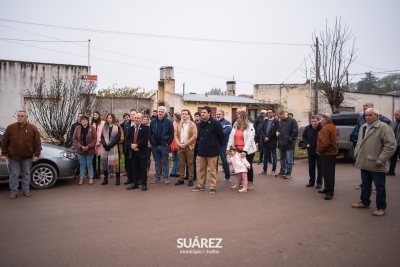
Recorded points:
(231,88)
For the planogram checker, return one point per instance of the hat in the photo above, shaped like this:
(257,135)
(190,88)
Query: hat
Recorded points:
(263,111)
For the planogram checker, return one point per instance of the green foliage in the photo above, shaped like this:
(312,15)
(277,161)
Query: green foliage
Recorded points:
(128,92)
(215,91)
(388,83)
(367,84)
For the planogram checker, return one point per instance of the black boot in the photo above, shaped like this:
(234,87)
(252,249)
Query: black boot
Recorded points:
(117,176)
(105,181)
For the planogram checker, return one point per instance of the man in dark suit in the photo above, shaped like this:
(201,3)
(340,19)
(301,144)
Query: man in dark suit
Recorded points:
(138,136)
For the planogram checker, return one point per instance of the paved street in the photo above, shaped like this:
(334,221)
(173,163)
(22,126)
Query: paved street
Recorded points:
(278,223)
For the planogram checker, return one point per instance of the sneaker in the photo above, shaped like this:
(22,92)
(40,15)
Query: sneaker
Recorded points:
(13,196)
(250,185)
(270,162)
(155,181)
(234,186)
(259,162)
(358,187)
(243,190)
(272,173)
(288,175)
(166,182)
(197,188)
(359,205)
(229,180)
(212,191)
(280,174)
(379,212)
(263,173)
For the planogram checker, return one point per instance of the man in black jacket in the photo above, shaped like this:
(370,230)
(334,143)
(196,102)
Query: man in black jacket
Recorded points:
(138,138)
(210,137)
(268,134)
(310,137)
(287,135)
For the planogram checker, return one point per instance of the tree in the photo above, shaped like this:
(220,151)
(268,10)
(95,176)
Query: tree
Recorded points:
(367,84)
(54,109)
(215,91)
(389,83)
(128,92)
(335,53)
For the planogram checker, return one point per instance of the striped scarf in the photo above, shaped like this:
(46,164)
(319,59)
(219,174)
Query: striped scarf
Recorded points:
(110,159)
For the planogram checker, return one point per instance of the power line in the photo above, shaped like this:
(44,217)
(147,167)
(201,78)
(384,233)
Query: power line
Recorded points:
(368,66)
(153,35)
(377,72)
(42,41)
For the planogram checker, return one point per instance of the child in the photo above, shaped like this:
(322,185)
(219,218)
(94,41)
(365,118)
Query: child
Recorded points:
(240,166)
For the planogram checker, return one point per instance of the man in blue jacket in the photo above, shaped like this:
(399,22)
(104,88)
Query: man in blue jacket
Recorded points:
(210,137)
(310,137)
(287,135)
(161,135)
(227,128)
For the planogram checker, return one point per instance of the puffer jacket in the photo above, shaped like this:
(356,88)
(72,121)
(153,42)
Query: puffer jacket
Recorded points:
(378,145)
(248,135)
(238,163)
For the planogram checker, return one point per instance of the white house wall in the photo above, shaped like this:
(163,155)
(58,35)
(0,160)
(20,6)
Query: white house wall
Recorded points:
(17,76)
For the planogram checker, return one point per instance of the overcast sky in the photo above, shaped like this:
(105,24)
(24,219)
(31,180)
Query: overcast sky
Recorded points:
(133,59)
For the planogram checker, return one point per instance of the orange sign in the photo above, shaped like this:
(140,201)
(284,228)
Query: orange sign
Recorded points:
(89,80)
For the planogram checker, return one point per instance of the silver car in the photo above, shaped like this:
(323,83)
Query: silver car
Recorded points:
(54,161)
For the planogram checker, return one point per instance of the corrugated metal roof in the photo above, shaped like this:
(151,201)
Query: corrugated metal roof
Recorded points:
(219,99)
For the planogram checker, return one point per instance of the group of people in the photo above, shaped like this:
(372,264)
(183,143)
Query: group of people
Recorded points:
(378,143)
(100,144)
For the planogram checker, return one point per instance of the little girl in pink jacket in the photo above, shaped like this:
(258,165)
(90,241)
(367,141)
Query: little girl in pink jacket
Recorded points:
(240,167)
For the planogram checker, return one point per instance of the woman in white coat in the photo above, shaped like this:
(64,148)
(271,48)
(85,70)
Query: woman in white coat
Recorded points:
(242,137)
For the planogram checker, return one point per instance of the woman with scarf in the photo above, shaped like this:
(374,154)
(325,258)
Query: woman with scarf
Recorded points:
(98,124)
(110,136)
(85,141)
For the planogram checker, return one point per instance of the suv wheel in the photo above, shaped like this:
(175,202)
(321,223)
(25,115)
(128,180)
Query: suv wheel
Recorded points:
(43,176)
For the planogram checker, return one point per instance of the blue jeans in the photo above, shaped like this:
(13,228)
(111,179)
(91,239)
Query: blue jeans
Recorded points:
(175,162)
(225,164)
(85,161)
(379,179)
(161,153)
(17,167)
(286,160)
(266,151)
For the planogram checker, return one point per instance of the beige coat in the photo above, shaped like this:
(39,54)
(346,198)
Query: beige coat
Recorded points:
(192,134)
(378,145)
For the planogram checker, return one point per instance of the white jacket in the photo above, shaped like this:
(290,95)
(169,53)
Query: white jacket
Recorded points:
(238,163)
(248,134)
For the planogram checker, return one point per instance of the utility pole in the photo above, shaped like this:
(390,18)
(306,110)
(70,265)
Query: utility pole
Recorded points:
(316,77)
(89,57)
(347,79)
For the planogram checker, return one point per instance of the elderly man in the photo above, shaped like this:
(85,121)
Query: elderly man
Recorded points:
(227,128)
(376,144)
(138,138)
(396,129)
(327,150)
(161,135)
(20,147)
(185,136)
(287,135)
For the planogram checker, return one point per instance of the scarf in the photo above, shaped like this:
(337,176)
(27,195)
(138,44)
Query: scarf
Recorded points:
(110,159)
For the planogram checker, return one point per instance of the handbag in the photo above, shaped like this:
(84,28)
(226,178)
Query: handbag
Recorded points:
(173,146)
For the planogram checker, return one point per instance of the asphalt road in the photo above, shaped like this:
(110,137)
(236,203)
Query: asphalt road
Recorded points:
(278,223)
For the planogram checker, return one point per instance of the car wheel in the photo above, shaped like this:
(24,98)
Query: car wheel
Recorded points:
(43,176)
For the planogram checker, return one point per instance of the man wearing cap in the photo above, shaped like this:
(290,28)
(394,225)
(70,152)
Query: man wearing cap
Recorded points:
(20,146)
